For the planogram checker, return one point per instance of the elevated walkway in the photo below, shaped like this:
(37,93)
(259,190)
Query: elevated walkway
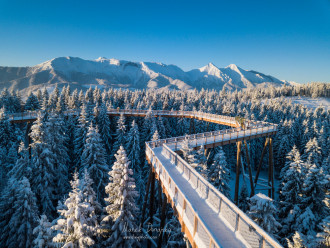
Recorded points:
(208,218)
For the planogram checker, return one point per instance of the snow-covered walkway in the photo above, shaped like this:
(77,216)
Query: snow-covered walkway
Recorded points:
(215,224)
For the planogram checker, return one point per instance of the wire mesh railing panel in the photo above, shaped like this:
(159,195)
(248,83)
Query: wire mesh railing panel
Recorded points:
(164,178)
(228,214)
(202,189)
(189,214)
(193,180)
(180,199)
(172,187)
(180,166)
(249,234)
(203,234)
(213,200)
(186,172)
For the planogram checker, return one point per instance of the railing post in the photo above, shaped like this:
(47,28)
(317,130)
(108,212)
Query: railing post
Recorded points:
(237,222)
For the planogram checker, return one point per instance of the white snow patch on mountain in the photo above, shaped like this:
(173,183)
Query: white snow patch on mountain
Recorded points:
(105,73)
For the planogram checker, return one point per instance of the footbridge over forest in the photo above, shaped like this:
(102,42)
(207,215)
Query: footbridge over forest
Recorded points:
(207,217)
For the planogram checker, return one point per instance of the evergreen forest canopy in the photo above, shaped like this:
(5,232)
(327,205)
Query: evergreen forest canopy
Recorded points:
(82,178)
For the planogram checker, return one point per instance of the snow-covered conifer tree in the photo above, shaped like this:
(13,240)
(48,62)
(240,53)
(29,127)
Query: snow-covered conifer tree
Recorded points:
(323,237)
(312,152)
(24,217)
(53,98)
(89,195)
(202,162)
(188,152)
(311,204)
(22,166)
(290,191)
(32,102)
(155,136)
(43,173)
(7,200)
(93,159)
(297,242)
(80,135)
(57,140)
(262,211)
(43,234)
(73,100)
(243,198)
(103,123)
(76,226)
(219,173)
(133,147)
(121,208)
(119,136)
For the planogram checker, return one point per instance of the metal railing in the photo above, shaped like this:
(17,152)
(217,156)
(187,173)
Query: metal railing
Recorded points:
(217,136)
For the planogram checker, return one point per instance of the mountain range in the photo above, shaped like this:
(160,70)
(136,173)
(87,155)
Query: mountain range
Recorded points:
(105,73)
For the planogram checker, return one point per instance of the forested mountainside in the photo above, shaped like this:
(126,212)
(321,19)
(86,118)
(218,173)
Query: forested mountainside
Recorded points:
(103,159)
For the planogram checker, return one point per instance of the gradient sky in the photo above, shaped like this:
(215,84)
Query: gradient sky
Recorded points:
(287,39)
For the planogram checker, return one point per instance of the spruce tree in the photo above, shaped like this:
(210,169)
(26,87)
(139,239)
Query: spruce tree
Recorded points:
(43,234)
(76,226)
(243,198)
(133,147)
(89,195)
(219,173)
(80,135)
(121,208)
(93,160)
(119,136)
(22,166)
(311,204)
(188,152)
(323,237)
(103,123)
(43,172)
(297,242)
(7,200)
(24,217)
(263,211)
(32,102)
(290,192)
(58,146)
(312,153)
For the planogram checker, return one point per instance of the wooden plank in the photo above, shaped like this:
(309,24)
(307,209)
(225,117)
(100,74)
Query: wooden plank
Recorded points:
(249,167)
(238,164)
(260,162)
(162,223)
(271,165)
(151,205)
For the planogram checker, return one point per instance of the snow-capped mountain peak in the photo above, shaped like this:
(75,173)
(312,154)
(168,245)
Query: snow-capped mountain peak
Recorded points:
(234,67)
(80,73)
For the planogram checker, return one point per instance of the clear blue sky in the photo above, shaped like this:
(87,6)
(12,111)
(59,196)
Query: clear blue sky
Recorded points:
(287,39)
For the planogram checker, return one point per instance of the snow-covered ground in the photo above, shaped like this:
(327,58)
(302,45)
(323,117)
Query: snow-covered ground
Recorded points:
(311,102)
(262,176)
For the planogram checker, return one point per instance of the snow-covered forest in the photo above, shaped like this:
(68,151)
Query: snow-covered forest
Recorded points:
(79,181)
